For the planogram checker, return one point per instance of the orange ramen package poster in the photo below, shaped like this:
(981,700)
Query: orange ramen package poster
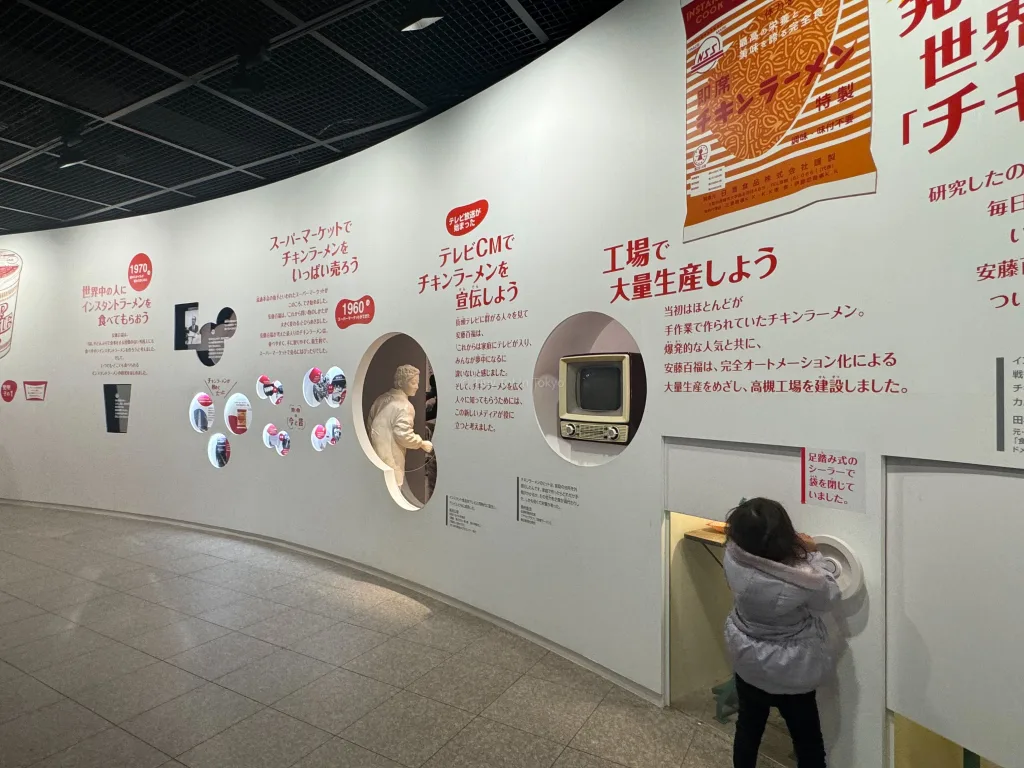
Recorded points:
(778,108)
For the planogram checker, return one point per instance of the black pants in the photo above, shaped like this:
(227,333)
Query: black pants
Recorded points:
(800,712)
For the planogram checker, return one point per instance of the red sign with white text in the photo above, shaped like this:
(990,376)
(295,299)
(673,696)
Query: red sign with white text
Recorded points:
(140,272)
(354,312)
(8,390)
(466,218)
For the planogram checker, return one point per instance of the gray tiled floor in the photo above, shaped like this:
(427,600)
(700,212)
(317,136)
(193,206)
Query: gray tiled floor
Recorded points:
(133,644)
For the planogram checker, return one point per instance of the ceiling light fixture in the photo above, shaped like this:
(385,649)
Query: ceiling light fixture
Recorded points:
(419,14)
(71,155)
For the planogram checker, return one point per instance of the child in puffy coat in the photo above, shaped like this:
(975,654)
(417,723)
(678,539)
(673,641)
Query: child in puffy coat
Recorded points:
(775,636)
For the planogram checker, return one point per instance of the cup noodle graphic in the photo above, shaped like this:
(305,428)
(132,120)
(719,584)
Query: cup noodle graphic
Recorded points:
(10,279)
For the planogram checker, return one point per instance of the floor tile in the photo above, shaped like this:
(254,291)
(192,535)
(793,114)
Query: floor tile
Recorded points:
(107,573)
(297,592)
(55,649)
(243,612)
(16,610)
(112,748)
(544,709)
(139,576)
(465,683)
(339,644)
(209,598)
(397,662)
(408,728)
(503,649)
(20,694)
(338,753)
(131,694)
(44,732)
(16,568)
(93,668)
(486,744)
(708,749)
(572,758)
(337,700)
(25,589)
(193,562)
(449,631)
(337,576)
(268,739)
(635,734)
(556,669)
(102,609)
(176,638)
(275,676)
(393,616)
(222,655)
(158,591)
(18,633)
(70,595)
(184,722)
(342,604)
(289,627)
(123,626)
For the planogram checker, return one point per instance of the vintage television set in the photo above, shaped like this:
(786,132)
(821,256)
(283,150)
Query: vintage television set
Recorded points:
(601,397)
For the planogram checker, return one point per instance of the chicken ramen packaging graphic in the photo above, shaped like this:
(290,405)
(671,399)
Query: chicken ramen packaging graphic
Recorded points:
(10,281)
(778,108)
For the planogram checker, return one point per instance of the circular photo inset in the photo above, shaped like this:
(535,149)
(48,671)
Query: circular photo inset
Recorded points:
(319,437)
(333,427)
(284,443)
(237,412)
(337,387)
(270,436)
(312,390)
(269,390)
(201,412)
(219,450)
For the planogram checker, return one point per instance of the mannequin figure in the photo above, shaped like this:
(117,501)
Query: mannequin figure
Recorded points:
(391,422)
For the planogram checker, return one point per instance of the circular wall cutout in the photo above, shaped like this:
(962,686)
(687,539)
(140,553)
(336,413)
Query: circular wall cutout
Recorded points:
(333,427)
(237,414)
(391,386)
(319,438)
(591,417)
(269,390)
(201,412)
(219,450)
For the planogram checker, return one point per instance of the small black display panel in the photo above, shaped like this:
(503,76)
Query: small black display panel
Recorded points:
(599,388)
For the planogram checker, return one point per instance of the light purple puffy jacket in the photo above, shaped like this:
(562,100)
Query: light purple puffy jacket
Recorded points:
(774,635)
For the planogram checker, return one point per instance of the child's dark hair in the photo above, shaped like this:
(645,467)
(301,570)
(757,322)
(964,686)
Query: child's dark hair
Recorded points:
(763,528)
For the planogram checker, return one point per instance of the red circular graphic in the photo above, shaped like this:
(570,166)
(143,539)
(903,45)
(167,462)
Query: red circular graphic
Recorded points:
(140,272)
(8,390)
(315,374)
(351,312)
(320,431)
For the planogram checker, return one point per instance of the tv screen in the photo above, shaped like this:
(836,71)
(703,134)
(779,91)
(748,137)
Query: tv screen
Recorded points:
(599,388)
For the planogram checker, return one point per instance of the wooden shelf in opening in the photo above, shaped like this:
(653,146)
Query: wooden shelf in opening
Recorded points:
(706,536)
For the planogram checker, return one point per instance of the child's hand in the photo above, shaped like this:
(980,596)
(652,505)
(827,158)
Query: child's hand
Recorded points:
(809,544)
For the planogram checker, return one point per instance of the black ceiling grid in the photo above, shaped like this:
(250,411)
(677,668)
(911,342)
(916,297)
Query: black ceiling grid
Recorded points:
(151,94)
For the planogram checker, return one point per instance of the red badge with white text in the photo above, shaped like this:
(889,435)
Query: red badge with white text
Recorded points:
(140,272)
(35,391)
(8,390)
(464,219)
(354,312)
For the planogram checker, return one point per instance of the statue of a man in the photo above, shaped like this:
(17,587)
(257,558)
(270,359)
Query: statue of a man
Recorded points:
(391,422)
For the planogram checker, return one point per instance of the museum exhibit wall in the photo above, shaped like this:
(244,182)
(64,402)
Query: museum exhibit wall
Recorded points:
(885,322)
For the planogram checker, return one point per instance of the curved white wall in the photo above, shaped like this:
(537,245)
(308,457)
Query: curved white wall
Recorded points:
(580,151)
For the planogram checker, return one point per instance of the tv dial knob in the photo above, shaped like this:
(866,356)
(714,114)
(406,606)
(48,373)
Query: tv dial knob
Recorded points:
(569,429)
(611,433)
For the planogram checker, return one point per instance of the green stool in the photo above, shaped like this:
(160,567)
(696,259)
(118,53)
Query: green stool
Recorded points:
(727,703)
